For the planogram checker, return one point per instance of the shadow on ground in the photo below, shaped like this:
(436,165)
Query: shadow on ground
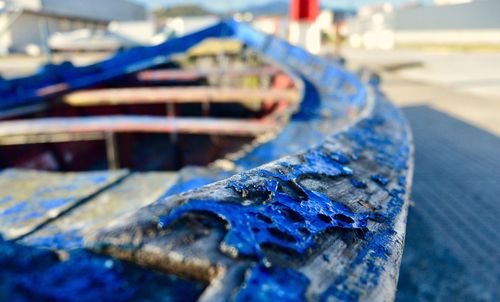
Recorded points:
(452,248)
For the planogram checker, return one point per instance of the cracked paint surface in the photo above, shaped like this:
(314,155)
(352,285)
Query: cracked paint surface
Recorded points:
(290,221)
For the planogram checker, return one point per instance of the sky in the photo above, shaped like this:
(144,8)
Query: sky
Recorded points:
(226,5)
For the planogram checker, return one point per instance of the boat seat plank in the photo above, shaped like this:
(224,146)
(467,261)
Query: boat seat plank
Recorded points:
(200,94)
(193,75)
(10,131)
(28,199)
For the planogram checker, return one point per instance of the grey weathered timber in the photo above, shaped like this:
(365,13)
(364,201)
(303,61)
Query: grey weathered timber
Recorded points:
(115,203)
(31,198)
(199,94)
(87,128)
(193,74)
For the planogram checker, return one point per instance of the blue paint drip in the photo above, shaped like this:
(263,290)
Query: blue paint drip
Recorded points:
(273,284)
(358,184)
(326,258)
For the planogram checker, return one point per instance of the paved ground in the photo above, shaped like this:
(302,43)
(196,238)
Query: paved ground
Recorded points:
(482,112)
(439,80)
(474,73)
(453,250)
(453,247)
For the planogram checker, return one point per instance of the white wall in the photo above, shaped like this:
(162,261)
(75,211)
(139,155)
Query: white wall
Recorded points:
(5,37)
(448,37)
(473,23)
(60,16)
(29,28)
(23,31)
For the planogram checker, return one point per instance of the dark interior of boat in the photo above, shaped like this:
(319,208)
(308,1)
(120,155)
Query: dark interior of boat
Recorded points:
(190,111)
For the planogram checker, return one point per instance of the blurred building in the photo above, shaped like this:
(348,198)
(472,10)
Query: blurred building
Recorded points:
(448,2)
(476,22)
(303,28)
(309,32)
(372,28)
(452,22)
(185,25)
(26,24)
(273,25)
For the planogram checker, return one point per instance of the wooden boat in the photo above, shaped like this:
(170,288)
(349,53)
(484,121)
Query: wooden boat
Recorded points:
(315,211)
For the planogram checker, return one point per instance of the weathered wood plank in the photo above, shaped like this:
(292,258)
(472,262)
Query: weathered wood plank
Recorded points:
(47,128)
(114,204)
(151,95)
(31,198)
(192,75)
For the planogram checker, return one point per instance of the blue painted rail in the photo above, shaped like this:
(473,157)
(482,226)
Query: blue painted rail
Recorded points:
(316,213)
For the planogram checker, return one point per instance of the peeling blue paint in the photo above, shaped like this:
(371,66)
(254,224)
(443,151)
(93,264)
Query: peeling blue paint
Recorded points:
(264,219)
(39,275)
(290,222)
(326,258)
(273,284)
(358,184)
(381,180)
(377,245)
(63,240)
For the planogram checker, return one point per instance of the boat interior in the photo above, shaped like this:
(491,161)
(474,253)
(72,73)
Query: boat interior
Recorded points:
(192,110)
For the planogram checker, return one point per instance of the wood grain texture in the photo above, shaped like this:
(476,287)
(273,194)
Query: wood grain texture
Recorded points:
(31,198)
(115,203)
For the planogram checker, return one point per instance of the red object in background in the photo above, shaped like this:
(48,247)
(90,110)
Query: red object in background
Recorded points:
(304,10)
